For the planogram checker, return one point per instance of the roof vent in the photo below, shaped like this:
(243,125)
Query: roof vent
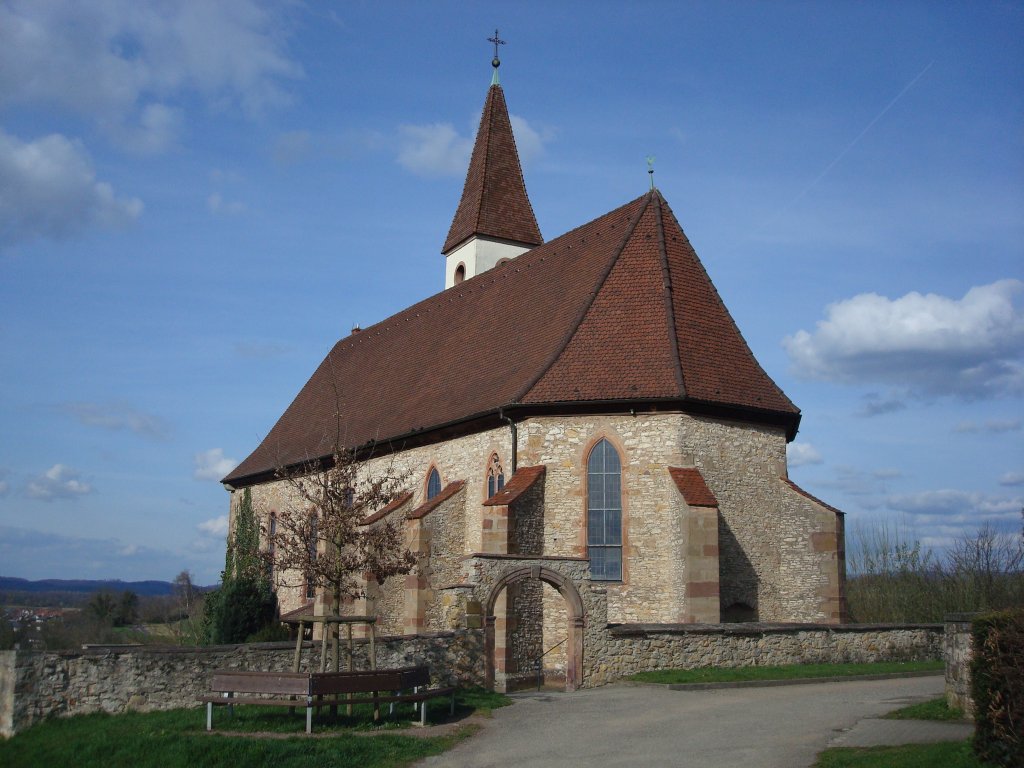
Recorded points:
(356,329)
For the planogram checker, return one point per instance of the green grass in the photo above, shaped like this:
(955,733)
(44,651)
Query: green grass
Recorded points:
(790,672)
(934,709)
(178,738)
(946,754)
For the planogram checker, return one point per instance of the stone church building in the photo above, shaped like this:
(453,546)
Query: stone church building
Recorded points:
(617,458)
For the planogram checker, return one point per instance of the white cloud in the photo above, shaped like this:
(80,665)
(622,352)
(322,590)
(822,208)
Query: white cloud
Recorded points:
(48,189)
(216,526)
(218,206)
(119,416)
(992,425)
(438,149)
(433,150)
(952,506)
(799,454)
(212,464)
(930,344)
(157,129)
(119,62)
(1012,478)
(529,141)
(877,405)
(58,482)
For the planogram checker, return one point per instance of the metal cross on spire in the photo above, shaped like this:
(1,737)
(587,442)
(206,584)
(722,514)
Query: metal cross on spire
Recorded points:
(495,62)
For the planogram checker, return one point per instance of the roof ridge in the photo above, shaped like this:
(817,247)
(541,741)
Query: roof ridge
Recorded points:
(666,295)
(747,351)
(581,315)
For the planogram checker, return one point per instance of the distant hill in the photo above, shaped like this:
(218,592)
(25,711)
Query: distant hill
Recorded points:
(86,586)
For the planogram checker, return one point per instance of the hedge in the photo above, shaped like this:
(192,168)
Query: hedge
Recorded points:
(997,685)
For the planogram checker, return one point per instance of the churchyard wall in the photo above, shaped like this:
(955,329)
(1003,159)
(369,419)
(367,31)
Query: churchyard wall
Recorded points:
(35,685)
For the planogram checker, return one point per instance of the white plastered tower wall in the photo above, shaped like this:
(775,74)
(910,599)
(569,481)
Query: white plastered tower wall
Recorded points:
(477,255)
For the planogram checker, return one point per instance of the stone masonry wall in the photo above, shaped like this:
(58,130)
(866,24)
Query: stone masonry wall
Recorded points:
(626,650)
(957,651)
(36,685)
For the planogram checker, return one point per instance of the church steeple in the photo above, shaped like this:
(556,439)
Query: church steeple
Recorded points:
(494,220)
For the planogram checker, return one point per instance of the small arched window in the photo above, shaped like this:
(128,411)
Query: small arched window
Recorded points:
(495,476)
(433,483)
(460,273)
(604,513)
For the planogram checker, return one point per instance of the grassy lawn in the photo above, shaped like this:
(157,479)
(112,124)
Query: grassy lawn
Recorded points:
(950,754)
(790,672)
(934,709)
(178,738)
(947,754)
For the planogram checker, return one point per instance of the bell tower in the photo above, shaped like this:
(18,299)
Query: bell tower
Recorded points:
(494,221)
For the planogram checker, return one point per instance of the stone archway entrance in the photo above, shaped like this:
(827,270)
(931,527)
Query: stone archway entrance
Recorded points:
(575,614)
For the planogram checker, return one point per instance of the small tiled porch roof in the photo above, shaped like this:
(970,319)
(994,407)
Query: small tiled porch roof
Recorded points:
(520,482)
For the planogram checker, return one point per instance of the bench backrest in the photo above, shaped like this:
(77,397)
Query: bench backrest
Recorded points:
(320,683)
(261,682)
(369,680)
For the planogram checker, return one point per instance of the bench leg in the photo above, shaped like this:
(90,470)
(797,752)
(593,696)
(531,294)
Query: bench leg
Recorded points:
(309,714)
(231,707)
(209,715)
(423,713)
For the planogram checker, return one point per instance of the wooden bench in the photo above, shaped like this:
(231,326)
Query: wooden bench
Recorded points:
(318,689)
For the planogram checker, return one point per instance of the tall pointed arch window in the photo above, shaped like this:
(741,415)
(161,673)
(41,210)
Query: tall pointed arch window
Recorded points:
(604,513)
(495,476)
(311,543)
(272,546)
(433,483)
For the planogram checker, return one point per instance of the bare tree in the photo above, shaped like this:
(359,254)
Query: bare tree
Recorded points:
(318,539)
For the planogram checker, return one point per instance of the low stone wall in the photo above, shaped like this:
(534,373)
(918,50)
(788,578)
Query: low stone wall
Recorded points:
(631,648)
(956,650)
(35,685)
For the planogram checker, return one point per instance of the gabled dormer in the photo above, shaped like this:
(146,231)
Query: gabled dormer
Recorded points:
(494,221)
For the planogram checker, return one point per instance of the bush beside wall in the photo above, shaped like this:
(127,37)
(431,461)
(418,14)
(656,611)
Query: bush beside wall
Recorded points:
(997,674)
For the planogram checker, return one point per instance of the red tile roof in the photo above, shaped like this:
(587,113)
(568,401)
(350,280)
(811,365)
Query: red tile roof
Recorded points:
(691,484)
(387,509)
(617,312)
(522,481)
(494,201)
(446,493)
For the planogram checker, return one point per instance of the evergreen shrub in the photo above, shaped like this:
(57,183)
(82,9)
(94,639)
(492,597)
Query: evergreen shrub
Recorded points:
(997,685)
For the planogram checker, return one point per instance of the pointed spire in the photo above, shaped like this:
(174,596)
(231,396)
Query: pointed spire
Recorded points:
(494,201)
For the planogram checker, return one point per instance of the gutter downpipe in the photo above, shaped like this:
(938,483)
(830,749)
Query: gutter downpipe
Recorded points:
(515,437)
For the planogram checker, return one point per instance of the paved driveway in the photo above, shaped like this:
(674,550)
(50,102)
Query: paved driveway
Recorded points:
(620,725)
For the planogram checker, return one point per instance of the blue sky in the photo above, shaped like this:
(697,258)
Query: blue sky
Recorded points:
(198,199)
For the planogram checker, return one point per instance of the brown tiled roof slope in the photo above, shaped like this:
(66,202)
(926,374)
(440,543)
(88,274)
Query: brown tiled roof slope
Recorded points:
(494,201)
(690,483)
(619,309)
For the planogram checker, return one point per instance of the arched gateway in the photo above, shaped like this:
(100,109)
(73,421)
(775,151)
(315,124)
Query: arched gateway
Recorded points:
(574,605)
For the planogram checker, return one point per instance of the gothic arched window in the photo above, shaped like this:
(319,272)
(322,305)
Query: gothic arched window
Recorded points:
(495,476)
(604,513)
(433,483)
